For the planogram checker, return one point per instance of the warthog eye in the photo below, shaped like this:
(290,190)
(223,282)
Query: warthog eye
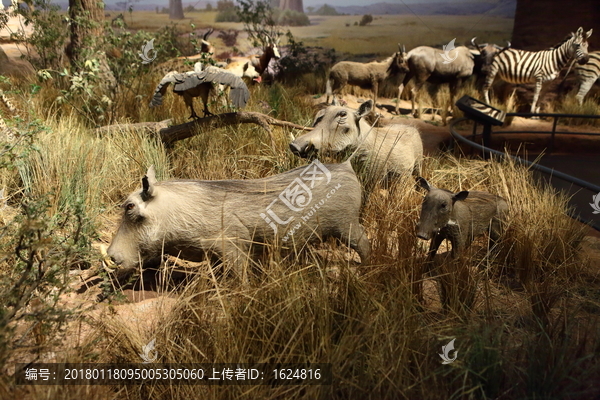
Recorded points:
(342,114)
(319,119)
(444,205)
(129,206)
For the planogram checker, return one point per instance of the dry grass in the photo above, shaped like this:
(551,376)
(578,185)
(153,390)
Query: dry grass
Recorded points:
(590,106)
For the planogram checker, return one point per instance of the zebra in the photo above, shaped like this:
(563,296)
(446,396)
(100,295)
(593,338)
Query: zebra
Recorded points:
(521,66)
(587,74)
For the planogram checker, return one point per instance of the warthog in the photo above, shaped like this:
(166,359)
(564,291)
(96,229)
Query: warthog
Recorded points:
(458,217)
(366,76)
(389,150)
(193,218)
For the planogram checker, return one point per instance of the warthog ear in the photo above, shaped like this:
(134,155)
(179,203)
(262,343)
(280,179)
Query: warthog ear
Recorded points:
(148,182)
(422,182)
(460,196)
(579,31)
(364,109)
(588,33)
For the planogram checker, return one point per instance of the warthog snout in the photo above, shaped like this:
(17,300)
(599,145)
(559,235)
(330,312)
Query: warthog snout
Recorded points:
(115,257)
(422,234)
(304,151)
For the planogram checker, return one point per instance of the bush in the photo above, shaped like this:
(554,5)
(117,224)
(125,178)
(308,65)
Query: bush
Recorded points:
(326,10)
(223,5)
(366,19)
(50,34)
(39,248)
(227,12)
(290,18)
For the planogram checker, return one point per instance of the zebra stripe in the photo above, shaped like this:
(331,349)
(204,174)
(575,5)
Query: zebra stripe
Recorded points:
(587,74)
(521,66)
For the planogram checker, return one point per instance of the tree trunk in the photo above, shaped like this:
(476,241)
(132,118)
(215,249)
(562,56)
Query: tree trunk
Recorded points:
(175,9)
(86,18)
(294,5)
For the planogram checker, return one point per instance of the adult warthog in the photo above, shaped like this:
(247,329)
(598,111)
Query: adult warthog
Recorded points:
(387,150)
(459,217)
(193,218)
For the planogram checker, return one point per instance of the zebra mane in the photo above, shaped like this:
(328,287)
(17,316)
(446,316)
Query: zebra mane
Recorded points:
(566,39)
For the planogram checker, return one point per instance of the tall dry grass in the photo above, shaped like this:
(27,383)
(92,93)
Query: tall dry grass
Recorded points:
(381,326)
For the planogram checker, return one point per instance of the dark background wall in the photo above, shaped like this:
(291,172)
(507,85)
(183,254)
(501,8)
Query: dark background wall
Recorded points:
(540,24)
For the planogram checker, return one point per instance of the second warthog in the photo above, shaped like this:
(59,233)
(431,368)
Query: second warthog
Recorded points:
(193,218)
(459,217)
(389,150)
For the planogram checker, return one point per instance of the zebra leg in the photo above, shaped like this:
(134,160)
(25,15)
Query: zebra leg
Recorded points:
(536,95)
(584,88)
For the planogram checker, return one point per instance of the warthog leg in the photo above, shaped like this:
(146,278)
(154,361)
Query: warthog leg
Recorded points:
(357,239)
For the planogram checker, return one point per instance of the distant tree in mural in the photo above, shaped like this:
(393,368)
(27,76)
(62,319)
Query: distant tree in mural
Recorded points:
(175,9)
(294,5)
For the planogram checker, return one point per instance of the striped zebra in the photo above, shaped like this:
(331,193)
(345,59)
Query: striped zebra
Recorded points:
(587,74)
(521,66)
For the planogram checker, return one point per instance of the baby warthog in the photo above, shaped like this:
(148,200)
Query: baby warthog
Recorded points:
(192,218)
(458,217)
(392,149)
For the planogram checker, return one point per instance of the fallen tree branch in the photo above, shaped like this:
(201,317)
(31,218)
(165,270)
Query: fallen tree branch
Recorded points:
(150,127)
(171,134)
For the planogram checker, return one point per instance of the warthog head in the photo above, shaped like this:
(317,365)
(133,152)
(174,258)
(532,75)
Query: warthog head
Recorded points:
(336,129)
(436,209)
(125,249)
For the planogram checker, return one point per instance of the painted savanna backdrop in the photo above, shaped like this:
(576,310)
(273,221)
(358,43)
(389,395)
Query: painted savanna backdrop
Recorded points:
(78,135)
